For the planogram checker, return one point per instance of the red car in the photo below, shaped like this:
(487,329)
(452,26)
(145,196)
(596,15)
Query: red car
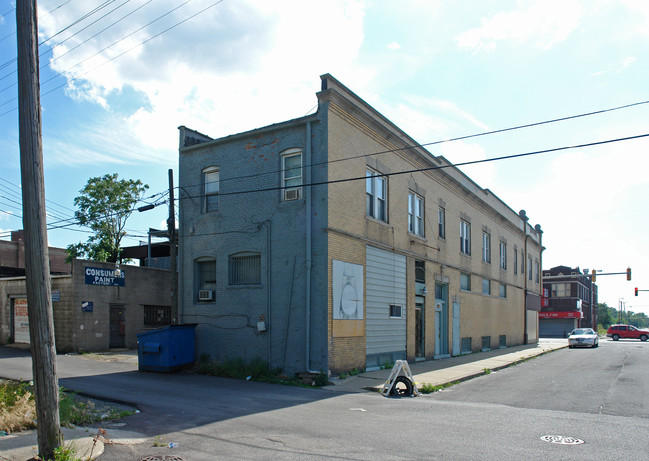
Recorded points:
(626,332)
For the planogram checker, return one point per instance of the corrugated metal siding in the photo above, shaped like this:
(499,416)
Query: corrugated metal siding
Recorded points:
(385,285)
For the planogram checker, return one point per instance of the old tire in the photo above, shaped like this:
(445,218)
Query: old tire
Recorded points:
(643,338)
(402,387)
(616,337)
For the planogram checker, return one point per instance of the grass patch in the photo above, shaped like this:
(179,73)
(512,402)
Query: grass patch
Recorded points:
(256,370)
(18,408)
(429,388)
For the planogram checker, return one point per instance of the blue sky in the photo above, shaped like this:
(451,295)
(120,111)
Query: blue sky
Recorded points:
(114,93)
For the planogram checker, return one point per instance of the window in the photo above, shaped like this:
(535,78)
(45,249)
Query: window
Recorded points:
(560,290)
(486,247)
(529,268)
(465,237)
(465,281)
(441,220)
(395,311)
(536,271)
(420,271)
(502,290)
(244,269)
(416,214)
(486,287)
(375,189)
(503,255)
(292,174)
(515,261)
(522,262)
(206,279)
(157,316)
(211,188)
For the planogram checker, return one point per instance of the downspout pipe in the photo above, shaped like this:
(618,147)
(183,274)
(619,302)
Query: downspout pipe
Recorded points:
(526,276)
(308,244)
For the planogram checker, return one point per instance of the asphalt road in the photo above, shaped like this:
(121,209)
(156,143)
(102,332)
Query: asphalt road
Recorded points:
(598,396)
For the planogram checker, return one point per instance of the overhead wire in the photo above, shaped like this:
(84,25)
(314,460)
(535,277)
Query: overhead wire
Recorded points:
(70,80)
(432,143)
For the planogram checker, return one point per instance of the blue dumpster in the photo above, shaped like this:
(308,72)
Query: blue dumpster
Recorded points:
(167,349)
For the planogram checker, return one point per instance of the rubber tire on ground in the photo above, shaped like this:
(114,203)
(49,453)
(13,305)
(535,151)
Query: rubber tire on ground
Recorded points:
(643,338)
(400,391)
(596,344)
(616,337)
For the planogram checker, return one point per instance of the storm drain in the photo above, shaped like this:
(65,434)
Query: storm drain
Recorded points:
(162,458)
(561,440)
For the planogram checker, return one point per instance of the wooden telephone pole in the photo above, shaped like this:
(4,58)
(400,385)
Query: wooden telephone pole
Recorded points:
(37,266)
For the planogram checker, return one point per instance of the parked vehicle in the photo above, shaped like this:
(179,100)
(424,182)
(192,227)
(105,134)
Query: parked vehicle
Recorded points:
(583,337)
(616,332)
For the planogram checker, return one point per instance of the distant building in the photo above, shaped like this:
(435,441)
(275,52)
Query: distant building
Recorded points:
(93,308)
(571,302)
(335,242)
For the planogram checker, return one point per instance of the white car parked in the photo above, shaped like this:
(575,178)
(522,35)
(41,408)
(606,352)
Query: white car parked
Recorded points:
(582,337)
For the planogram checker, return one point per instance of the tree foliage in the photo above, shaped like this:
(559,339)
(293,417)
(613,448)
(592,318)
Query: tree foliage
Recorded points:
(608,316)
(105,205)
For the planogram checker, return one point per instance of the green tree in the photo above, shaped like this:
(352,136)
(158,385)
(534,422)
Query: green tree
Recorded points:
(104,205)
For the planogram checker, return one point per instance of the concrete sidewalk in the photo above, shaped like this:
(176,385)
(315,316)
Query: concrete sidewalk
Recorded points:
(449,370)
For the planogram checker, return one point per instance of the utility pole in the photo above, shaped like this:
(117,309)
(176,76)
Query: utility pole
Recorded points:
(171,230)
(37,267)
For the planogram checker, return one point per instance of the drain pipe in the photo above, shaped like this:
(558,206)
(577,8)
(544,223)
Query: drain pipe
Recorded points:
(307,216)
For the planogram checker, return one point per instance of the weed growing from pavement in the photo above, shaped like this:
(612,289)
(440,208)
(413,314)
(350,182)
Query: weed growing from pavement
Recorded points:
(487,371)
(18,408)
(159,441)
(256,370)
(429,388)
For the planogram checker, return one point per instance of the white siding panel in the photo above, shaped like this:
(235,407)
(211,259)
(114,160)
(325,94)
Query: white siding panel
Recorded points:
(385,285)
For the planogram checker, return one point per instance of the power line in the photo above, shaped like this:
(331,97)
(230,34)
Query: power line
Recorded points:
(49,50)
(440,167)
(460,138)
(119,55)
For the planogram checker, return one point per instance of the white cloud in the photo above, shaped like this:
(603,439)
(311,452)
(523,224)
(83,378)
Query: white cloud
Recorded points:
(249,64)
(394,46)
(542,23)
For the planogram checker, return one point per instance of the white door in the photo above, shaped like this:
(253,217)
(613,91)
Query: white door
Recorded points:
(456,329)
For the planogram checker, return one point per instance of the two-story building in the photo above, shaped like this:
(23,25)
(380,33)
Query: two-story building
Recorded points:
(571,302)
(335,241)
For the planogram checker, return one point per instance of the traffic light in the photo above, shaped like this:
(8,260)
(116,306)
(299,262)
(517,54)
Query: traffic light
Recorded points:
(593,275)
(628,273)
(636,291)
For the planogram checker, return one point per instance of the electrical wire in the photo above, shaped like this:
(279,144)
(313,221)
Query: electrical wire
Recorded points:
(460,138)
(440,167)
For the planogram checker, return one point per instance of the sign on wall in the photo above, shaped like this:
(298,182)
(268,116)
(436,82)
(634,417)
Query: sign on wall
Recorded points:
(86,306)
(347,290)
(21,321)
(104,277)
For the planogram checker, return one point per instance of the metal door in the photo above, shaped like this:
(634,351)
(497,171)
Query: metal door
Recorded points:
(117,327)
(441,320)
(420,335)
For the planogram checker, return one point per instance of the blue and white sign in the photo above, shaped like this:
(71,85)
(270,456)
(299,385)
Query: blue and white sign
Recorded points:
(104,277)
(86,306)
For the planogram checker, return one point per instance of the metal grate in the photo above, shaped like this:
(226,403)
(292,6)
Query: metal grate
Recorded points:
(244,269)
(486,343)
(466,346)
(161,458)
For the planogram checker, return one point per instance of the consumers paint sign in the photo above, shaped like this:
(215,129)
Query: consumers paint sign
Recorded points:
(104,277)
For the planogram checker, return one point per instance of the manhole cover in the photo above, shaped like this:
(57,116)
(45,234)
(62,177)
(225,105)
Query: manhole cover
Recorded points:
(162,458)
(561,440)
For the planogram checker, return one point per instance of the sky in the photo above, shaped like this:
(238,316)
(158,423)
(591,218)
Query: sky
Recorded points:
(118,77)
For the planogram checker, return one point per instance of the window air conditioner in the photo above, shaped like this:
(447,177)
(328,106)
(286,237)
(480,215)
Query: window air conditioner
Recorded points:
(205,295)
(291,194)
